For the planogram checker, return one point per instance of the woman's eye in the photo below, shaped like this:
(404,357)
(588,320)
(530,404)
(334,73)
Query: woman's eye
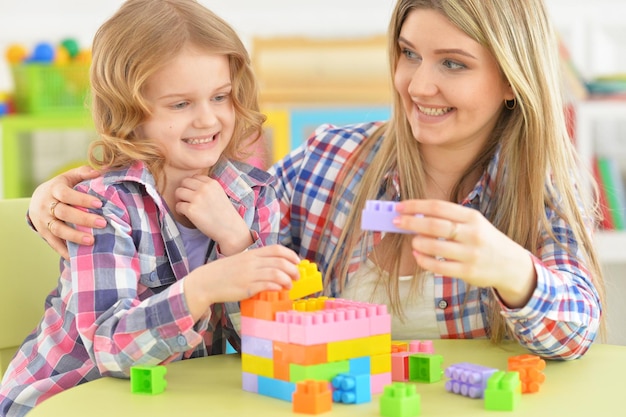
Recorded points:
(453,65)
(221,97)
(409,54)
(180,105)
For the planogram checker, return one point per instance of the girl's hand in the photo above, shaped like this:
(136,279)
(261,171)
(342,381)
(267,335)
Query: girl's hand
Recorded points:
(203,201)
(237,277)
(458,241)
(52,204)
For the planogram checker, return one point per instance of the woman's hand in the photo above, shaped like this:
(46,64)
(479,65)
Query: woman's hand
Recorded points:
(52,204)
(457,241)
(237,277)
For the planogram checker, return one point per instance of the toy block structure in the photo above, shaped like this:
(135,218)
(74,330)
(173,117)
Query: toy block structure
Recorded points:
(468,379)
(378,216)
(312,397)
(400,353)
(503,391)
(530,368)
(317,339)
(400,399)
(147,379)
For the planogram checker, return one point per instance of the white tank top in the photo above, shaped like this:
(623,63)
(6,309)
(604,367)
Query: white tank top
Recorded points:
(420,321)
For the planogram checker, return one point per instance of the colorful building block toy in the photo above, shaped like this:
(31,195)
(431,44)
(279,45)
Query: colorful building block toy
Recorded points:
(400,400)
(312,397)
(530,368)
(468,379)
(310,281)
(147,379)
(314,339)
(503,391)
(424,367)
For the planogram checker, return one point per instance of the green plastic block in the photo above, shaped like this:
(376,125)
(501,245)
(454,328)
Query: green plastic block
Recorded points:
(425,367)
(147,379)
(320,372)
(400,400)
(503,392)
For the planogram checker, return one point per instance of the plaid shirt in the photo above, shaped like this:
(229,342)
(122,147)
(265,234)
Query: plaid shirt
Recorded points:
(560,320)
(121,301)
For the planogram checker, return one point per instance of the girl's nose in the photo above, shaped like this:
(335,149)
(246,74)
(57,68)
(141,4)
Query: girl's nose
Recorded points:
(423,82)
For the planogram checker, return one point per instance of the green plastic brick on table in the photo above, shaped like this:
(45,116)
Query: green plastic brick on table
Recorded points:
(147,379)
(503,392)
(400,399)
(425,367)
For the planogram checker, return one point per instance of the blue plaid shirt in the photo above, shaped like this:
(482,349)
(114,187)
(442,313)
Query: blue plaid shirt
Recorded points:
(560,320)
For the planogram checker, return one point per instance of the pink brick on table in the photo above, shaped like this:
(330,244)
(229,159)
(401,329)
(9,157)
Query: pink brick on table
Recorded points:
(400,366)
(425,346)
(380,319)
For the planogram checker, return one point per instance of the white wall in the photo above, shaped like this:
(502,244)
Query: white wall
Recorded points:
(595,31)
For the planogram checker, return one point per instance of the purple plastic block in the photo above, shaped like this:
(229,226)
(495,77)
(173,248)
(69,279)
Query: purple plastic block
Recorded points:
(250,382)
(468,379)
(257,346)
(378,216)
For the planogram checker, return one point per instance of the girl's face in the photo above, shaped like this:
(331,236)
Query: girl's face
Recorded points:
(192,116)
(451,87)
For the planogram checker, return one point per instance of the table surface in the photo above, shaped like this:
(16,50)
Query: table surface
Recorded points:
(590,386)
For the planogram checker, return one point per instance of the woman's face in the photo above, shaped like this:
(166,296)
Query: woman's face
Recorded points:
(451,87)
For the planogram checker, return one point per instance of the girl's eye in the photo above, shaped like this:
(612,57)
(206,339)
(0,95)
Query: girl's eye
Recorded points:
(180,105)
(222,97)
(453,65)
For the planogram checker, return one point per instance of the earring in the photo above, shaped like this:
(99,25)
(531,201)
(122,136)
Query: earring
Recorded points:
(510,104)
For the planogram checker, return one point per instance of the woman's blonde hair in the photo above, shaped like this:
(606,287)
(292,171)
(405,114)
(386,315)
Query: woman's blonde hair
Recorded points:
(537,166)
(137,41)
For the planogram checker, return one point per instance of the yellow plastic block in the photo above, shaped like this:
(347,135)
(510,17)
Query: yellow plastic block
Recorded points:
(380,364)
(345,349)
(310,304)
(310,281)
(257,365)
(379,344)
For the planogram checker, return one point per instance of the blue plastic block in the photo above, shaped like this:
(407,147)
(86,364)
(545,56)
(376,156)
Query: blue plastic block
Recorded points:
(276,388)
(360,366)
(352,389)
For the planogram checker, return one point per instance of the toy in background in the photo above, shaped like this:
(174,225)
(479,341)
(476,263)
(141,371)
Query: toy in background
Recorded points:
(50,78)
(6,104)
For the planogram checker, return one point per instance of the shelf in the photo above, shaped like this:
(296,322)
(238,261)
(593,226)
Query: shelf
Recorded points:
(611,246)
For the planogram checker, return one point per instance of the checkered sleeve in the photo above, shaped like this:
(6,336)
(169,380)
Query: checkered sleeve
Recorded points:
(117,322)
(562,317)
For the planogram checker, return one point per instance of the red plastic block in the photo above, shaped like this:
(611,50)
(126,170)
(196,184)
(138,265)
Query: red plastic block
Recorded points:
(400,366)
(530,369)
(312,397)
(266,304)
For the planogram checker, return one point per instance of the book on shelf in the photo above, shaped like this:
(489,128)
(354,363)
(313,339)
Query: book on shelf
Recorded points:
(606,223)
(612,184)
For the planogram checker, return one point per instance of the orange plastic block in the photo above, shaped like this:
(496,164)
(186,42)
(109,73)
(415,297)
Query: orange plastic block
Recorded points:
(399,347)
(530,369)
(266,304)
(281,370)
(300,354)
(310,281)
(312,397)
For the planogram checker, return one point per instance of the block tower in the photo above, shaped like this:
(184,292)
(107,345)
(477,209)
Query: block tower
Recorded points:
(287,340)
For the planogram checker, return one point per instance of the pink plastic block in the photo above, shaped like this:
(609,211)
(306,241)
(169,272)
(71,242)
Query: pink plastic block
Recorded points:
(378,382)
(400,366)
(312,328)
(425,346)
(380,319)
(265,329)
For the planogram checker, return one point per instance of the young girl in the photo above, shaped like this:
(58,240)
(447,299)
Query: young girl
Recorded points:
(174,101)
(478,146)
